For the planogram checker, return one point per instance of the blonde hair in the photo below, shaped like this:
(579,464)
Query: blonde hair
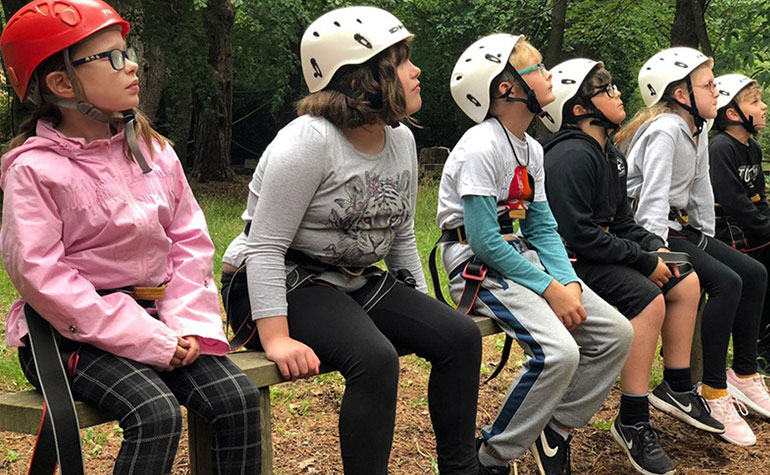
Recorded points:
(518,59)
(376,93)
(666,104)
(50,113)
(750,92)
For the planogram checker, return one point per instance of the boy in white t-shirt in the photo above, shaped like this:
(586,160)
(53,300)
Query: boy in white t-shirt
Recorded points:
(575,342)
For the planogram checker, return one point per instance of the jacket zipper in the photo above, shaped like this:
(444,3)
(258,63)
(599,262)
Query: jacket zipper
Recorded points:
(141,221)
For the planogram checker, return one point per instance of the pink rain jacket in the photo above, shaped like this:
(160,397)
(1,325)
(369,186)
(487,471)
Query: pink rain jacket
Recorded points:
(78,217)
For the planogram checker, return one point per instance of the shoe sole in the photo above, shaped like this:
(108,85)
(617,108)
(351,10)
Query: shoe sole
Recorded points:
(540,468)
(738,394)
(735,442)
(678,414)
(619,439)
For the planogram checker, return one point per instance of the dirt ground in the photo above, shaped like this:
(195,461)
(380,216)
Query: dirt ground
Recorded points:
(305,433)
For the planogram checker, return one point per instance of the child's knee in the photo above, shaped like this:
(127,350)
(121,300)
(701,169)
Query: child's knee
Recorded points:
(563,359)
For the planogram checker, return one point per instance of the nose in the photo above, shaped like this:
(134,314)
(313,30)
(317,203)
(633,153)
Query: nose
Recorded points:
(417,71)
(130,66)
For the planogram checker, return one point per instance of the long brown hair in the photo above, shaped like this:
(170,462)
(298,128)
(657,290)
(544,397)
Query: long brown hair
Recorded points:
(50,113)
(377,95)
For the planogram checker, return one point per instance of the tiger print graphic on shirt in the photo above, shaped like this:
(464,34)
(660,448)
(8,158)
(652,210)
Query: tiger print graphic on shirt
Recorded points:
(367,219)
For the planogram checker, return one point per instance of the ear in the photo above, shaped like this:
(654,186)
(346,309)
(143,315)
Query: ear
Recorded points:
(504,85)
(681,94)
(579,110)
(59,84)
(731,114)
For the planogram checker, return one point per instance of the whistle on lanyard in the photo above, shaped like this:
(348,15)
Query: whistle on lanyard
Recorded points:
(519,192)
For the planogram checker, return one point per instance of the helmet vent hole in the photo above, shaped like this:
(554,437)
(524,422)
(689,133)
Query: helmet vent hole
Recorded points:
(481,47)
(359,20)
(315,33)
(336,23)
(499,55)
(467,60)
(458,77)
(648,68)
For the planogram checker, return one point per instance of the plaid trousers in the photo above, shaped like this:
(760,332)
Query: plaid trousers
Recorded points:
(146,403)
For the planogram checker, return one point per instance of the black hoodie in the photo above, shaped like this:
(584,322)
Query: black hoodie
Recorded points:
(736,175)
(586,189)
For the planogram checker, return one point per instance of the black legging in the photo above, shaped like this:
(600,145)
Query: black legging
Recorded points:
(735,284)
(763,256)
(363,348)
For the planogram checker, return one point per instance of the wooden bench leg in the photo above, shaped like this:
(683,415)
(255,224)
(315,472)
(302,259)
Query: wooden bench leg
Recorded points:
(266,430)
(696,353)
(200,436)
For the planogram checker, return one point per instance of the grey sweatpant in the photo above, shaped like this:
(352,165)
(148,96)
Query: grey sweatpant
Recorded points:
(566,375)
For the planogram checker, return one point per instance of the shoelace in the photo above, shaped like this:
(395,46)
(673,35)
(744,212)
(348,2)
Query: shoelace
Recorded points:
(701,401)
(730,404)
(650,438)
(760,380)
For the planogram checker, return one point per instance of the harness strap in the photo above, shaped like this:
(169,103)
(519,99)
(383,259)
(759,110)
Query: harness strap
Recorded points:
(680,259)
(59,436)
(474,274)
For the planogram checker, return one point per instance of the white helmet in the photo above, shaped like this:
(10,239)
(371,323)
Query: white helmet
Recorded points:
(346,36)
(728,86)
(567,78)
(479,64)
(666,67)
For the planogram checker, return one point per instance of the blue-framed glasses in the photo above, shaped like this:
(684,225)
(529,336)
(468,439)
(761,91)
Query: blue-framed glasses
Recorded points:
(538,67)
(117,58)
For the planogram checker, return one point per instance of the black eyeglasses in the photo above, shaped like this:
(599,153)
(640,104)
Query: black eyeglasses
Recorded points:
(117,58)
(610,89)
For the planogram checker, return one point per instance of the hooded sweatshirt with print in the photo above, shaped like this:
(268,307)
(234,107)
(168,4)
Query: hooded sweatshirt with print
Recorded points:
(586,187)
(79,217)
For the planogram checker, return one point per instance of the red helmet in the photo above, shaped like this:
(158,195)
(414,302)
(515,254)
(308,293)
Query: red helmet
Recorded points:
(42,28)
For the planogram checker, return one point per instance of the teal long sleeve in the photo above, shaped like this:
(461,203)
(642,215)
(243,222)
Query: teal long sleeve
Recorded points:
(483,233)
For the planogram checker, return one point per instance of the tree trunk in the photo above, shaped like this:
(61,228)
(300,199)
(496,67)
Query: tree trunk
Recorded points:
(689,27)
(556,37)
(151,60)
(212,128)
(18,112)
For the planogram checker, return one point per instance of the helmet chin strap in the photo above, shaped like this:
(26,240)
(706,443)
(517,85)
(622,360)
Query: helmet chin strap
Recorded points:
(747,124)
(81,105)
(533,105)
(597,118)
(692,109)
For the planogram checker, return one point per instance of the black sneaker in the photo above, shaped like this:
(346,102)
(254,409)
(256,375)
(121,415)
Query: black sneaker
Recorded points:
(688,407)
(492,469)
(640,442)
(552,453)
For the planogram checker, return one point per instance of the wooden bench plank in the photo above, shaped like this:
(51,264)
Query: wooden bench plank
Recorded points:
(21,412)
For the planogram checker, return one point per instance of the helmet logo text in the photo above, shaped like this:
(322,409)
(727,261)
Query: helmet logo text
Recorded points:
(396,28)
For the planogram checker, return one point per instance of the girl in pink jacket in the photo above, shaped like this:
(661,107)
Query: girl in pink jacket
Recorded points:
(96,212)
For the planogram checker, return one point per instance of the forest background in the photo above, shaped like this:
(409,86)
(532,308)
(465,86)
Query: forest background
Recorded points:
(220,77)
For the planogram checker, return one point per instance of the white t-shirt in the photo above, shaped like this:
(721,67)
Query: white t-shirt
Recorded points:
(483,163)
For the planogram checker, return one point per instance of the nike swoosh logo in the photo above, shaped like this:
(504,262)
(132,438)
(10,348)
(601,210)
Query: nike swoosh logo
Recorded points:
(549,452)
(629,443)
(686,408)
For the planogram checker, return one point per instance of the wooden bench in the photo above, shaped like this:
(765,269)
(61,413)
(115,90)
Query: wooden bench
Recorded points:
(21,412)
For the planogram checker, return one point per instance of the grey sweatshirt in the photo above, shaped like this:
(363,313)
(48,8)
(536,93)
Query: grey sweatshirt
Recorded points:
(667,168)
(314,192)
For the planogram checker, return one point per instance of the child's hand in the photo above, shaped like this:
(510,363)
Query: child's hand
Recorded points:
(295,360)
(661,275)
(193,351)
(179,355)
(565,304)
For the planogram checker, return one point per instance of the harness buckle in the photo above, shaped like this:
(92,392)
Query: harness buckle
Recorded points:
(477,272)
(149,293)
(352,273)
(460,237)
